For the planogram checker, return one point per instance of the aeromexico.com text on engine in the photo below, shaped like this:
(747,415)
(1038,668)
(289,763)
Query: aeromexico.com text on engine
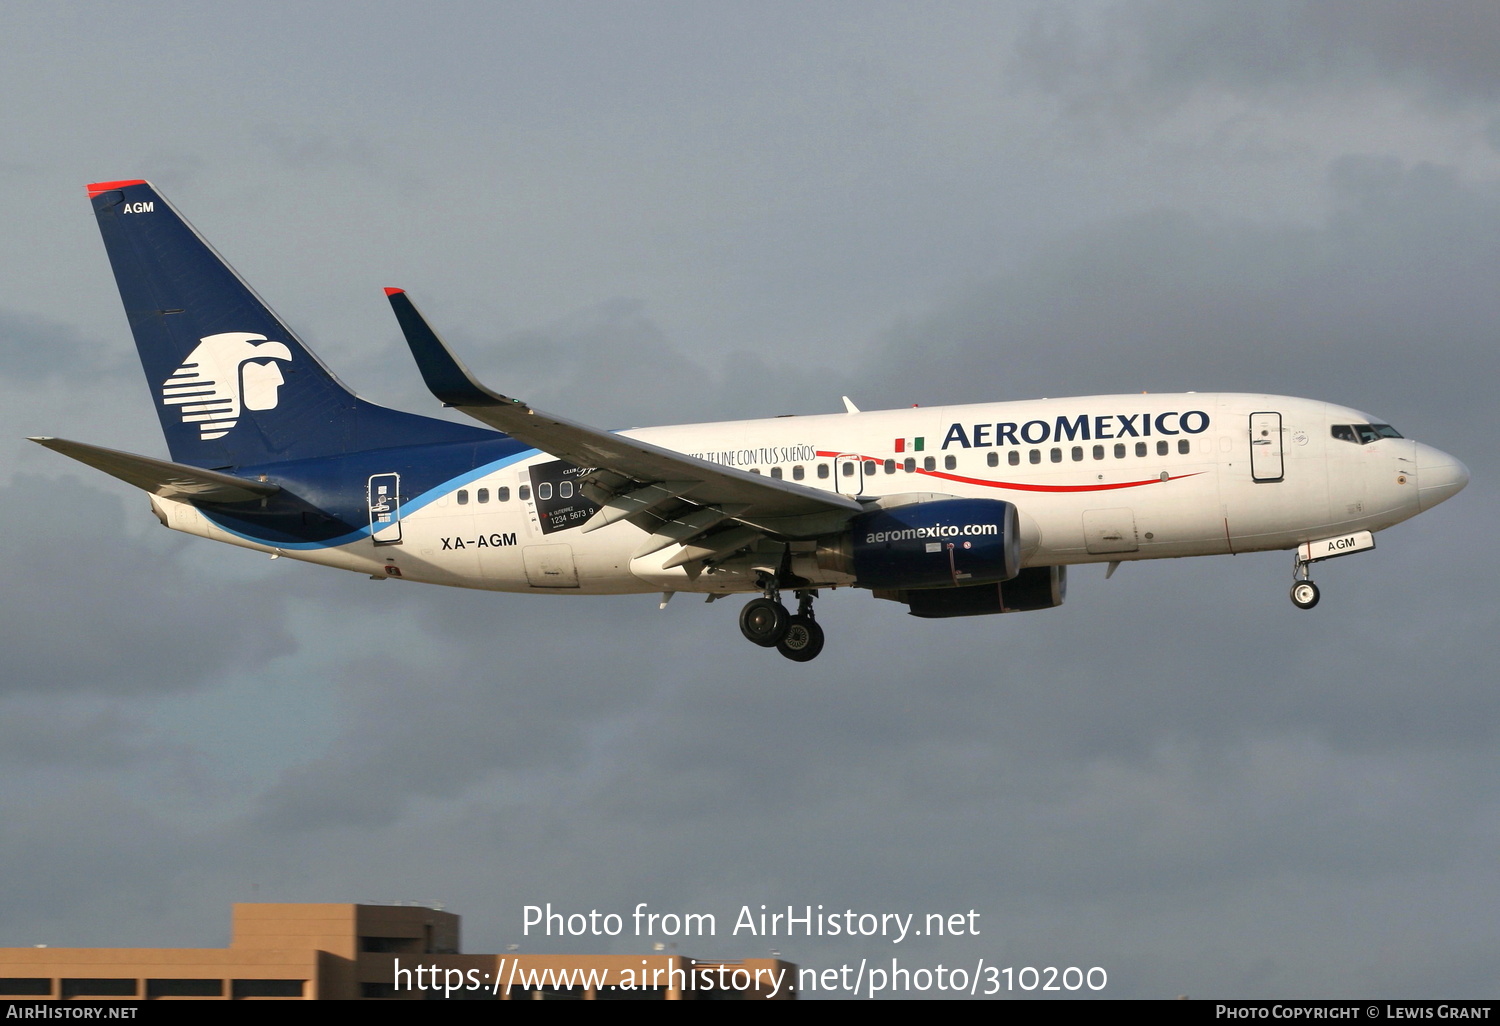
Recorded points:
(936,531)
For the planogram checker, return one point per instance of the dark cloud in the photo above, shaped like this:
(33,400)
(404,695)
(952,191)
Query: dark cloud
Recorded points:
(1170,301)
(33,349)
(1140,54)
(72,627)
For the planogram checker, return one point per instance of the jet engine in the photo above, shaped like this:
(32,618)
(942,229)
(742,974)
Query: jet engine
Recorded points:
(1036,587)
(945,543)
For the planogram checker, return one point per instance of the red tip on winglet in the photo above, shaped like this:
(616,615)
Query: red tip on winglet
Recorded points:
(394,292)
(99,187)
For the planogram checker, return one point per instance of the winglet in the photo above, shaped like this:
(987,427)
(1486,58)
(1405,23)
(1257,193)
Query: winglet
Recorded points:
(446,377)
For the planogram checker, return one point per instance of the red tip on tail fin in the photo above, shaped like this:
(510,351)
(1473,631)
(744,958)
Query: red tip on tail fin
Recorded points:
(98,187)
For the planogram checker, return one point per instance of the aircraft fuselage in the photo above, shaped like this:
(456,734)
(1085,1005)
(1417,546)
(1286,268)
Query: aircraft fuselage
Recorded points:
(1095,479)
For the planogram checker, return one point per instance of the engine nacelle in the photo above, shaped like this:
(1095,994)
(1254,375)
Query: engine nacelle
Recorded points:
(1036,587)
(947,543)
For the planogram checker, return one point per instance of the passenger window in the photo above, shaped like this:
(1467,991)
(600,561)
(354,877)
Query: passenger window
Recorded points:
(565,489)
(1014,457)
(1162,447)
(950,462)
(463,496)
(1140,448)
(544,491)
(910,465)
(502,494)
(1036,455)
(776,473)
(523,493)
(929,463)
(890,466)
(1098,452)
(1184,446)
(992,459)
(483,495)
(822,470)
(1077,453)
(1056,455)
(870,466)
(798,472)
(755,470)
(1119,450)
(849,469)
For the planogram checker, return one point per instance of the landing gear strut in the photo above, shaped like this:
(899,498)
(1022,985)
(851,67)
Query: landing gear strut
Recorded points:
(766,622)
(1305,593)
(804,638)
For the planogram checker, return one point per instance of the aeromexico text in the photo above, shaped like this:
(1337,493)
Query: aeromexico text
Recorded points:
(1082,428)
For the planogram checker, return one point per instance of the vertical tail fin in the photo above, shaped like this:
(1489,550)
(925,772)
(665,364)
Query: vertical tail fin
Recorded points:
(233,385)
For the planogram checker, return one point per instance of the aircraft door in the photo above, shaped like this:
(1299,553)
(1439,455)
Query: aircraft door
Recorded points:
(385,509)
(550,566)
(848,474)
(1265,447)
(1110,530)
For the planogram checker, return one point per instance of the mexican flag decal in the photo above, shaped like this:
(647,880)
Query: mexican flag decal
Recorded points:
(909,444)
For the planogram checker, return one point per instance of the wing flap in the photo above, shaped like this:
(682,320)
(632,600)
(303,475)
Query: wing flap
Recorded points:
(640,500)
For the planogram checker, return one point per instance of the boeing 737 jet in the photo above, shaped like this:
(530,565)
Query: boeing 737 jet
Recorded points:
(950,511)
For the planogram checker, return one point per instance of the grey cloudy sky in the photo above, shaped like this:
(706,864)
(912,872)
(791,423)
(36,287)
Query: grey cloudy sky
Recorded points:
(664,212)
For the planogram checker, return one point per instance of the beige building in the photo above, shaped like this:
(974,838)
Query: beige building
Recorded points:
(371,951)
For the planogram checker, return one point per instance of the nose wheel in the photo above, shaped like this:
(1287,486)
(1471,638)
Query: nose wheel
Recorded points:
(767,623)
(1305,593)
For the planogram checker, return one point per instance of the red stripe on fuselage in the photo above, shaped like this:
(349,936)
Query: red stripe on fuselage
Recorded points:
(1017,486)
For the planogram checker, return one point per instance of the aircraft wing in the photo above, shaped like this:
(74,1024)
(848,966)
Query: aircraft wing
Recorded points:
(637,476)
(160,477)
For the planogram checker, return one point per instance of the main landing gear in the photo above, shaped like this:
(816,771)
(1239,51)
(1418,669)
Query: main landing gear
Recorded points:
(1305,593)
(766,622)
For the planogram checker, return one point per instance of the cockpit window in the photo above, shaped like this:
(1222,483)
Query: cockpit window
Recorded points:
(1364,434)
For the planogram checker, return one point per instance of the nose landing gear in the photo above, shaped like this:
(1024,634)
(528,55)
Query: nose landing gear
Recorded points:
(1305,593)
(766,622)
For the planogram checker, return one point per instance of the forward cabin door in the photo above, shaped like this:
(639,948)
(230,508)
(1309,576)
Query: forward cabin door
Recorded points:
(1266,462)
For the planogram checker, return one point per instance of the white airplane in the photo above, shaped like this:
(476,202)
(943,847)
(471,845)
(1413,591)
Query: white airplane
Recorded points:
(952,511)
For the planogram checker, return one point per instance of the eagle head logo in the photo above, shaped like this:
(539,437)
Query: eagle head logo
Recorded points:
(224,374)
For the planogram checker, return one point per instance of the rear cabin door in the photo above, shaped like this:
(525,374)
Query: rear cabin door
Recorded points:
(385,509)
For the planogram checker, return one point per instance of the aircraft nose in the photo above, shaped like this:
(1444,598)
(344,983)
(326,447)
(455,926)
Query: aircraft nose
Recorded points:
(1439,476)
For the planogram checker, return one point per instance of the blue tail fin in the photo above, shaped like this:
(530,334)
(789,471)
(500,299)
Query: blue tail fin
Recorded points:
(233,386)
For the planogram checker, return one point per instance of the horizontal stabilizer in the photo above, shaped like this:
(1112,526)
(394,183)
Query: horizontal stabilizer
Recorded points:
(160,477)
